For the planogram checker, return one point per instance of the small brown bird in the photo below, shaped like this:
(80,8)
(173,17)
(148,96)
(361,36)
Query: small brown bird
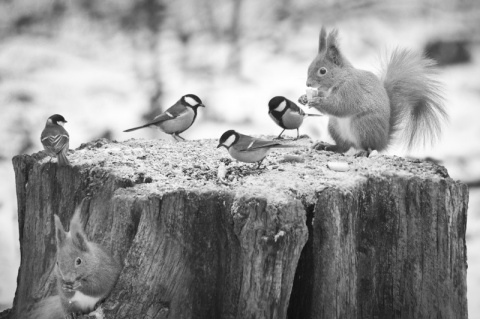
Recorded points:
(55,139)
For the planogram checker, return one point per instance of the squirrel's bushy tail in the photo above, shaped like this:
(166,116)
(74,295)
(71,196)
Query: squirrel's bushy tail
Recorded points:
(416,102)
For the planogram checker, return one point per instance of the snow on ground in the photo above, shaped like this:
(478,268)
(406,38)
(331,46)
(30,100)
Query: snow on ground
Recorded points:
(94,83)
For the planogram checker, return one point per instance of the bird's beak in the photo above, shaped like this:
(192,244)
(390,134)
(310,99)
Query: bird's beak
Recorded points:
(202,105)
(220,145)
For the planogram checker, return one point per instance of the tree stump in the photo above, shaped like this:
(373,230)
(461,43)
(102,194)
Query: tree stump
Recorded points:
(385,239)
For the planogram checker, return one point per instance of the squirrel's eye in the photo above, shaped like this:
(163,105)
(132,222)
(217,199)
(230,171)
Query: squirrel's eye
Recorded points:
(78,261)
(322,71)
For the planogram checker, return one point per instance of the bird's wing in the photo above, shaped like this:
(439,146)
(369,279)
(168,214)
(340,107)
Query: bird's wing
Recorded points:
(276,117)
(174,111)
(248,143)
(56,143)
(294,108)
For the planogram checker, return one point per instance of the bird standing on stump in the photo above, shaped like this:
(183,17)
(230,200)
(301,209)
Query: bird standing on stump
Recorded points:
(178,118)
(286,114)
(246,148)
(55,139)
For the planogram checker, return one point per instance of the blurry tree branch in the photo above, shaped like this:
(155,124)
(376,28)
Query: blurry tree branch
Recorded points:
(234,62)
(144,23)
(208,8)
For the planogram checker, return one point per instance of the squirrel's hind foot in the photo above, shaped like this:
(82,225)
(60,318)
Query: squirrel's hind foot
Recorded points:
(363,153)
(322,146)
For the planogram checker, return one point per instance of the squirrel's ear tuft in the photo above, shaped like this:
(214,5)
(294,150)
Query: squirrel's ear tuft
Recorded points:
(322,42)
(76,222)
(80,241)
(76,229)
(60,234)
(333,51)
(333,37)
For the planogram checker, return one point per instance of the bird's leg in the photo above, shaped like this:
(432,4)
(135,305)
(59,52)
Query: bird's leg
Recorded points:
(180,137)
(298,134)
(280,135)
(260,163)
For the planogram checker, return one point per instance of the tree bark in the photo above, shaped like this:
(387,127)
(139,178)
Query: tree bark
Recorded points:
(294,240)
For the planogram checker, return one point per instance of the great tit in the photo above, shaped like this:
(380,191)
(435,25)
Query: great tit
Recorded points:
(55,139)
(246,148)
(286,114)
(178,118)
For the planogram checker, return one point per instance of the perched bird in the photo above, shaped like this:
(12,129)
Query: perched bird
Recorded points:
(55,139)
(246,148)
(178,118)
(286,114)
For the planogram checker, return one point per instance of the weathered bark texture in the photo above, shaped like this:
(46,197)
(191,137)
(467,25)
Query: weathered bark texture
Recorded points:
(295,240)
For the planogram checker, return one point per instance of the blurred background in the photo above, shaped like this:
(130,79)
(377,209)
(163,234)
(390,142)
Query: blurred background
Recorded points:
(110,65)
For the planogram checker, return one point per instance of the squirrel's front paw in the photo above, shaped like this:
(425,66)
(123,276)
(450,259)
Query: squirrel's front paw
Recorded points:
(303,99)
(97,313)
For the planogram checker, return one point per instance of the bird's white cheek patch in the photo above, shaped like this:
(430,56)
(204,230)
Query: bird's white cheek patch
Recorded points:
(281,107)
(61,123)
(191,101)
(229,141)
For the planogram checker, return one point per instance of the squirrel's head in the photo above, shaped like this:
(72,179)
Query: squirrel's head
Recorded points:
(73,252)
(329,64)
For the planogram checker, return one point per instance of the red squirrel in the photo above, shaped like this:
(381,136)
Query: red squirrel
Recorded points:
(85,274)
(365,111)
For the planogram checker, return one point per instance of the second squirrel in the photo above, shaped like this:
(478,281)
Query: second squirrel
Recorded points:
(85,272)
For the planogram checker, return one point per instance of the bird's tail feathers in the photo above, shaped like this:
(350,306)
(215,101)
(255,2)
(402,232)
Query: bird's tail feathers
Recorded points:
(62,159)
(310,114)
(137,128)
(286,145)
(416,100)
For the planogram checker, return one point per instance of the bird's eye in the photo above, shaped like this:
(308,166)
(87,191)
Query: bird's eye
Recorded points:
(78,261)
(322,71)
